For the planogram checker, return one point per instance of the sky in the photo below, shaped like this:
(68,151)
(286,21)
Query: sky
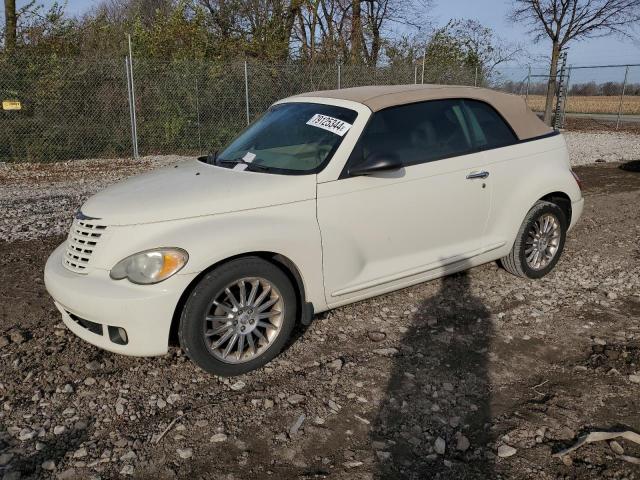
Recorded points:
(493,13)
(598,51)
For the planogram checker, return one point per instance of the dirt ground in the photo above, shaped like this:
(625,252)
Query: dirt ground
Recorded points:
(428,382)
(592,125)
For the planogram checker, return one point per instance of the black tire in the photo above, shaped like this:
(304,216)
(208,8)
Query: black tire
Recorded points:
(516,262)
(191,329)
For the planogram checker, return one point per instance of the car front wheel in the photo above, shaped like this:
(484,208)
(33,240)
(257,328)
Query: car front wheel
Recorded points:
(539,242)
(238,317)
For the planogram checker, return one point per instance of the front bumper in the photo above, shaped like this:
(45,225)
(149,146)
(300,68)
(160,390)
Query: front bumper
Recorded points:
(145,312)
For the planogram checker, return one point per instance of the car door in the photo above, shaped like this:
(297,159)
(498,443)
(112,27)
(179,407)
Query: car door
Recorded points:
(510,163)
(386,230)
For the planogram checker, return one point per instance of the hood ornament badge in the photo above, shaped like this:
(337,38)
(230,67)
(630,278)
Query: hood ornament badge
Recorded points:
(81,216)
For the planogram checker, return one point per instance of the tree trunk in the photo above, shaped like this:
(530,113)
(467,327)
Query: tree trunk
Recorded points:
(11,25)
(551,86)
(356,32)
(375,46)
(287,28)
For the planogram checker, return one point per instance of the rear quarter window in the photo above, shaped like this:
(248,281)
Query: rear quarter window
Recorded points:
(488,128)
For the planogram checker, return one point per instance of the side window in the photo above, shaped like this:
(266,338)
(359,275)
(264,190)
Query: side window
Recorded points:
(488,128)
(416,133)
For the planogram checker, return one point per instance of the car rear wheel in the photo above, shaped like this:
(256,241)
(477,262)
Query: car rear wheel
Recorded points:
(238,317)
(539,242)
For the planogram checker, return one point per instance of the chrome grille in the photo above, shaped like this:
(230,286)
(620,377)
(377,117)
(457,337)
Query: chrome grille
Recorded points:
(82,241)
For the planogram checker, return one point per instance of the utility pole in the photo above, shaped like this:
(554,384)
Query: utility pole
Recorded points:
(557,120)
(624,87)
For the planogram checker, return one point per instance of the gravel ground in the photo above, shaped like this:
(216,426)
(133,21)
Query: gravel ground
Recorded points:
(39,199)
(589,147)
(477,375)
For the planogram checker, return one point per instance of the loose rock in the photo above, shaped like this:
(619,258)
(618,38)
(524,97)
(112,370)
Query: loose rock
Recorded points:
(296,399)
(440,446)
(17,337)
(376,336)
(463,443)
(218,437)
(184,453)
(505,451)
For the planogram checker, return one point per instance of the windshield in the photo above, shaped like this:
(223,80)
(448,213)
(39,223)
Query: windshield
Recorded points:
(290,138)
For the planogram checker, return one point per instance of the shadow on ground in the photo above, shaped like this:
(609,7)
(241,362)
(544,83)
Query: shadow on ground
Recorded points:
(51,450)
(436,412)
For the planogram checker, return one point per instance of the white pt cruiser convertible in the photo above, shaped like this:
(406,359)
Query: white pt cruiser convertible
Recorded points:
(329,198)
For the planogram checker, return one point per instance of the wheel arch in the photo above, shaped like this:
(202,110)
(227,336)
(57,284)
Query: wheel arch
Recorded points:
(511,216)
(562,200)
(281,261)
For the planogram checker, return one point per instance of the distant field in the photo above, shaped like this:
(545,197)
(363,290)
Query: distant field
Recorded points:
(595,104)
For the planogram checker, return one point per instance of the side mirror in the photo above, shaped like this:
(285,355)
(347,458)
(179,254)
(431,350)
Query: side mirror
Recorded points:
(376,163)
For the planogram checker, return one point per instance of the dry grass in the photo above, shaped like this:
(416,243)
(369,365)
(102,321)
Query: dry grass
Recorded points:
(595,104)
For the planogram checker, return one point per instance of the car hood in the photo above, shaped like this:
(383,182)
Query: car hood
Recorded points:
(193,189)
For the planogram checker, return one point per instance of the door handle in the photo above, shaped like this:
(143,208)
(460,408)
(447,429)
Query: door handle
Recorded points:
(474,175)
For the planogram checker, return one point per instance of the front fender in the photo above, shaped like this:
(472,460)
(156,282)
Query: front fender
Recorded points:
(290,230)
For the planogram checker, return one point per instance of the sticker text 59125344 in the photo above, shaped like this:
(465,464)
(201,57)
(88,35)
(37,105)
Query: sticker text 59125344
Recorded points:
(333,125)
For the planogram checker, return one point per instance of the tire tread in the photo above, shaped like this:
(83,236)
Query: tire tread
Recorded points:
(513,263)
(186,337)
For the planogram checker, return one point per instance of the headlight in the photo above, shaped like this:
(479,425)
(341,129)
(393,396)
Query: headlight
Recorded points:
(150,266)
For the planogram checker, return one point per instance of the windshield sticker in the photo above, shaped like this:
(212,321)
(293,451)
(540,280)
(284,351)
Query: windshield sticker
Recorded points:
(249,157)
(330,124)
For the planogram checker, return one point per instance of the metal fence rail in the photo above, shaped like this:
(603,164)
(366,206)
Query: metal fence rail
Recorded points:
(79,108)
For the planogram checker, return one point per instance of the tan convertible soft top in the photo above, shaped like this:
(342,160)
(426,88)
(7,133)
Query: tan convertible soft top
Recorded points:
(524,122)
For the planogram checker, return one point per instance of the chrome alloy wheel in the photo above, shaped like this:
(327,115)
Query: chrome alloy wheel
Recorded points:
(543,239)
(243,320)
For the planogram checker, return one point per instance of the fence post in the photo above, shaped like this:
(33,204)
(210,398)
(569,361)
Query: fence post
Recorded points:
(339,76)
(566,96)
(526,97)
(424,55)
(128,66)
(246,91)
(132,103)
(132,107)
(415,75)
(475,81)
(198,114)
(624,87)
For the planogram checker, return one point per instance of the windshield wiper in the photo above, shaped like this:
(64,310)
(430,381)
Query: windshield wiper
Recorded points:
(212,158)
(250,165)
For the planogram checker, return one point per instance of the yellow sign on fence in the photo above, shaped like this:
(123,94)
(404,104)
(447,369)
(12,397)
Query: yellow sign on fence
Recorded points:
(11,105)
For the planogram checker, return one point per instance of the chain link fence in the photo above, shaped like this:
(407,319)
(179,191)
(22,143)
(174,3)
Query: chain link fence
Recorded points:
(608,93)
(80,108)
(67,109)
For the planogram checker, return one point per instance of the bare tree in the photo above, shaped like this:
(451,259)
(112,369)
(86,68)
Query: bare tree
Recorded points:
(485,50)
(11,25)
(356,31)
(565,20)
(381,15)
